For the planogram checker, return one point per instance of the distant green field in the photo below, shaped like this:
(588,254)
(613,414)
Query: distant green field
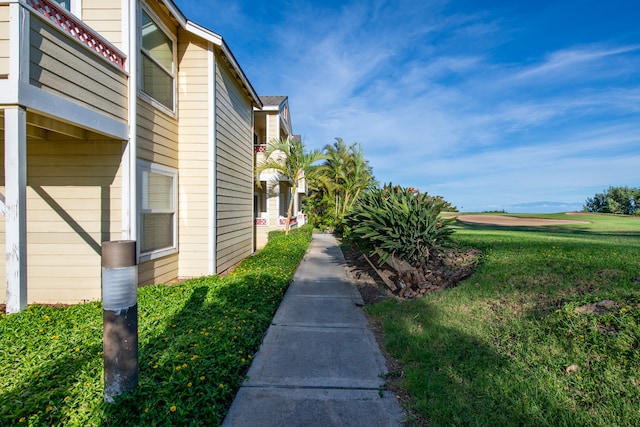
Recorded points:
(510,346)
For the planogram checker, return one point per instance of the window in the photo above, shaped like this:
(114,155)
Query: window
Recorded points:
(157,207)
(157,64)
(65,4)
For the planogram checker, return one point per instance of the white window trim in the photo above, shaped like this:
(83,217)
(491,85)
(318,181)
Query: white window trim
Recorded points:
(76,8)
(142,94)
(144,165)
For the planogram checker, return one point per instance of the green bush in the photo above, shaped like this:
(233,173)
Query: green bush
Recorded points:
(196,342)
(399,222)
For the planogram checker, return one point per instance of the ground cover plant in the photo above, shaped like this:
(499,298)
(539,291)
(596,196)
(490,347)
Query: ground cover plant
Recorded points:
(546,331)
(196,341)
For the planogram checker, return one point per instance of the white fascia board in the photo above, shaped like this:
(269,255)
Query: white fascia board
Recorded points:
(51,105)
(176,12)
(218,41)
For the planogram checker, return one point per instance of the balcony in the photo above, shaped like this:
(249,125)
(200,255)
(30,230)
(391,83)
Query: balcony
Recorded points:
(58,65)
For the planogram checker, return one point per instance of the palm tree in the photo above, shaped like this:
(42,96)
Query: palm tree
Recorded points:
(288,158)
(336,167)
(347,174)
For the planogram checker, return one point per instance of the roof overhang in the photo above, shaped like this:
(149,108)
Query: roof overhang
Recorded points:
(219,42)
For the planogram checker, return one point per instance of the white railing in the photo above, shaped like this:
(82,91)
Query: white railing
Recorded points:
(72,26)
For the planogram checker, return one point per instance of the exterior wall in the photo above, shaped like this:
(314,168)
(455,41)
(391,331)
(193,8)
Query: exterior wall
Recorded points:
(157,134)
(158,143)
(273,127)
(193,156)
(234,171)
(273,206)
(4,40)
(105,16)
(65,68)
(74,198)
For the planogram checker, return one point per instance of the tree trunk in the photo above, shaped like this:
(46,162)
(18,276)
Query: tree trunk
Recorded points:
(294,188)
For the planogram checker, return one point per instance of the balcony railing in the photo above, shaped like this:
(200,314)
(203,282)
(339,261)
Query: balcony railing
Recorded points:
(64,20)
(260,148)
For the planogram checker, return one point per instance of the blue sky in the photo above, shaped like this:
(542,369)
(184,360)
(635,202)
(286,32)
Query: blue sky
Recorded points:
(490,104)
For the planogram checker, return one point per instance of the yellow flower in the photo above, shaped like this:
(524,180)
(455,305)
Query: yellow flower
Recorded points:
(66,398)
(146,410)
(202,378)
(49,408)
(221,385)
(155,366)
(243,360)
(21,420)
(184,365)
(178,368)
(173,408)
(189,384)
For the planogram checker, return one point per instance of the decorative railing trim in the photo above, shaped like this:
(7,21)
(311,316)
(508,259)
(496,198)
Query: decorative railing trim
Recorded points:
(78,30)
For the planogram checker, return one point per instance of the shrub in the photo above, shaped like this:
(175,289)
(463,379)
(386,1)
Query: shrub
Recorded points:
(196,342)
(399,222)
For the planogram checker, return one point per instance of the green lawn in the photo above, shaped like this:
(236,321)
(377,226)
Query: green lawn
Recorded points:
(196,340)
(507,347)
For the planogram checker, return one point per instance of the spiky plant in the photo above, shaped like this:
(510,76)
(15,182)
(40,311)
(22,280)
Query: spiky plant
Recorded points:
(399,222)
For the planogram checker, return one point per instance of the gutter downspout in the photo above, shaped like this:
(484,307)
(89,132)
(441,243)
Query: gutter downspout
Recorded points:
(133,125)
(212,255)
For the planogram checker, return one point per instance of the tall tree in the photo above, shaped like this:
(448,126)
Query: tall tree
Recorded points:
(288,158)
(346,174)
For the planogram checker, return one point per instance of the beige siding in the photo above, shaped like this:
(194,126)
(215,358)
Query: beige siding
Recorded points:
(273,126)
(104,16)
(158,143)
(4,40)
(234,163)
(74,199)
(62,66)
(157,136)
(161,270)
(193,157)
(157,139)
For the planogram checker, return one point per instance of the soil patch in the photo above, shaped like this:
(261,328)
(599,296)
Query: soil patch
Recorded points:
(514,221)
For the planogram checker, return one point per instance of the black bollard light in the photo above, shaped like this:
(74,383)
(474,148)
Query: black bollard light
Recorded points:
(120,317)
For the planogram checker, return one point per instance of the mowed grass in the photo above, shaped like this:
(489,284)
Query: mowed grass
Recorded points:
(196,341)
(507,346)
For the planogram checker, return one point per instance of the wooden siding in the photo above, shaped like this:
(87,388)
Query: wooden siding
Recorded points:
(4,40)
(74,203)
(157,136)
(193,157)
(160,270)
(158,143)
(273,126)
(105,16)
(157,140)
(234,175)
(63,67)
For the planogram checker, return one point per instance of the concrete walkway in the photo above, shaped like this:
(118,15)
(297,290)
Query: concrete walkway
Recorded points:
(318,365)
